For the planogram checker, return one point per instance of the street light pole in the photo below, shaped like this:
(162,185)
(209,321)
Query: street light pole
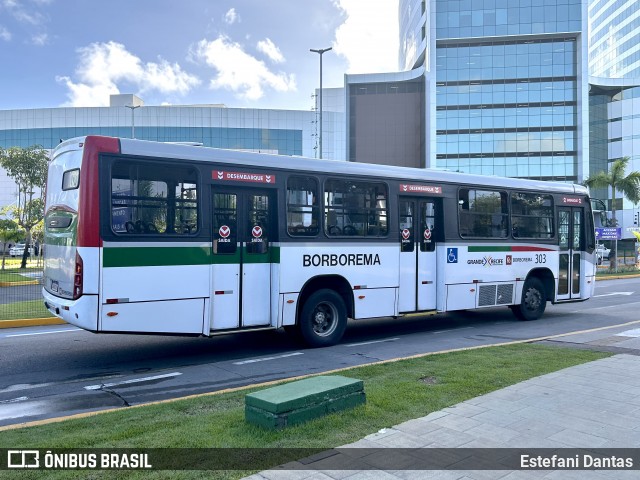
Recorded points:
(320,51)
(133,128)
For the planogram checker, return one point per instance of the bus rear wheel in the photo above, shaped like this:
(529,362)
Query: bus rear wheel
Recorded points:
(323,319)
(534,300)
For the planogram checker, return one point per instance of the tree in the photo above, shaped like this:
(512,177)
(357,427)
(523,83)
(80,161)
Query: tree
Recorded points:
(628,185)
(28,168)
(9,232)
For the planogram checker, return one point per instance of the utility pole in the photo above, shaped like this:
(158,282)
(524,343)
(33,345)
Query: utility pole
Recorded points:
(320,51)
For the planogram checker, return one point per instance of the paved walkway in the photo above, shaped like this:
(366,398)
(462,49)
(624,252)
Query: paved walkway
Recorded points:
(594,405)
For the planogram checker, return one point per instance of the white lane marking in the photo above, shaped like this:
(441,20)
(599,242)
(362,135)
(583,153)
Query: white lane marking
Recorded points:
(265,359)
(43,333)
(629,333)
(372,341)
(608,307)
(15,400)
(134,380)
(613,293)
(24,386)
(453,330)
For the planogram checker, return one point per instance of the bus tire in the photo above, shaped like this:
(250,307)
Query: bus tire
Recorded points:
(534,300)
(323,319)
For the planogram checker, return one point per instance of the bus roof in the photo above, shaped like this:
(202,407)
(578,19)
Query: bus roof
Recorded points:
(265,160)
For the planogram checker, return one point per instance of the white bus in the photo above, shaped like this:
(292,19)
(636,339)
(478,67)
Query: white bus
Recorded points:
(147,237)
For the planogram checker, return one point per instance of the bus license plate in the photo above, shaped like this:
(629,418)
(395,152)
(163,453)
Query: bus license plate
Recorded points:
(54,286)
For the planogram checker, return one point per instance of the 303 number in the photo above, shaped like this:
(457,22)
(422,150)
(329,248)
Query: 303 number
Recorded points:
(541,258)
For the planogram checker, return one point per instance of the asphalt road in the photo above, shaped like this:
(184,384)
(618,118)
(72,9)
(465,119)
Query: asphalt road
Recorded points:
(60,370)
(20,293)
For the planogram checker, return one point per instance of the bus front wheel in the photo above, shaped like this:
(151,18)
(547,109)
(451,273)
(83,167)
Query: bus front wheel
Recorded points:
(323,319)
(534,300)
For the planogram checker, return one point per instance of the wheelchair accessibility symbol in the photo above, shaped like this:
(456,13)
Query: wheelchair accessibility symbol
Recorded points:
(452,255)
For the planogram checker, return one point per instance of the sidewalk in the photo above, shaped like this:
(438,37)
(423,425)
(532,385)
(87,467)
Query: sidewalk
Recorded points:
(593,405)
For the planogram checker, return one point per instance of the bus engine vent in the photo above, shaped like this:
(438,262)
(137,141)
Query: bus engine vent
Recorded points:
(486,295)
(505,294)
(489,295)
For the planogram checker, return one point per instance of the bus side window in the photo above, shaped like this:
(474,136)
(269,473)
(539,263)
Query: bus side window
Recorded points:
(153,199)
(482,213)
(355,208)
(302,207)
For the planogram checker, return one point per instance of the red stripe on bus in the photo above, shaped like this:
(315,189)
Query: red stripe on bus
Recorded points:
(89,202)
(531,249)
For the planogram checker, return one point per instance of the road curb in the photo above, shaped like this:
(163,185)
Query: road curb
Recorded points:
(618,277)
(31,322)
(17,284)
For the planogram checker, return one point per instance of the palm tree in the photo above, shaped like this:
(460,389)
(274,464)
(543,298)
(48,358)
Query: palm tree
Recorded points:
(615,178)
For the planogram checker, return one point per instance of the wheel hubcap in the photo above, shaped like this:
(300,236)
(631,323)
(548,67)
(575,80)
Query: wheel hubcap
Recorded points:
(324,319)
(532,299)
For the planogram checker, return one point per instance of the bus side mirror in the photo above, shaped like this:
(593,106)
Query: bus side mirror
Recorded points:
(600,219)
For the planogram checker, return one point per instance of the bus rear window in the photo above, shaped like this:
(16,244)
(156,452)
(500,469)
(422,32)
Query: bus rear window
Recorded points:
(153,199)
(71,179)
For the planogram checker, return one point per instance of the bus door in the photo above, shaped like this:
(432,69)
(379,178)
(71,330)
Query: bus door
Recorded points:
(571,235)
(417,254)
(244,227)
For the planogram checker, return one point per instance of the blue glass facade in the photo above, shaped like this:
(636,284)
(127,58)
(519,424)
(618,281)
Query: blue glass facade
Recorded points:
(507,105)
(614,38)
(485,18)
(615,133)
(283,141)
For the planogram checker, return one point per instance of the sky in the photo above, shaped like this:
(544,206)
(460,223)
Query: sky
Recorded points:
(242,53)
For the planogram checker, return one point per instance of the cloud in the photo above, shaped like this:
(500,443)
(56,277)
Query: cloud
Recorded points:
(238,71)
(231,16)
(103,66)
(5,34)
(23,13)
(368,38)
(40,40)
(267,47)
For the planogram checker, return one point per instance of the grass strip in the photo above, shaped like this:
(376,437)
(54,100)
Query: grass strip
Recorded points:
(622,272)
(396,392)
(23,310)
(16,275)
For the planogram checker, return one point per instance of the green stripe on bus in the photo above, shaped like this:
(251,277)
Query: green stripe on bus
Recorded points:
(492,248)
(175,256)
(508,248)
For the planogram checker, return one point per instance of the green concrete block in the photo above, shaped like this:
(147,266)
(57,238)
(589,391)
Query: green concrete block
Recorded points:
(304,400)
(302,393)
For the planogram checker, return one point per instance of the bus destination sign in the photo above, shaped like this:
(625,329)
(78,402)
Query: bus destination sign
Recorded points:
(409,188)
(243,177)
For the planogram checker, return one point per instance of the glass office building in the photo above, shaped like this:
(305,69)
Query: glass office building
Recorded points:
(545,89)
(507,89)
(614,78)
(285,132)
